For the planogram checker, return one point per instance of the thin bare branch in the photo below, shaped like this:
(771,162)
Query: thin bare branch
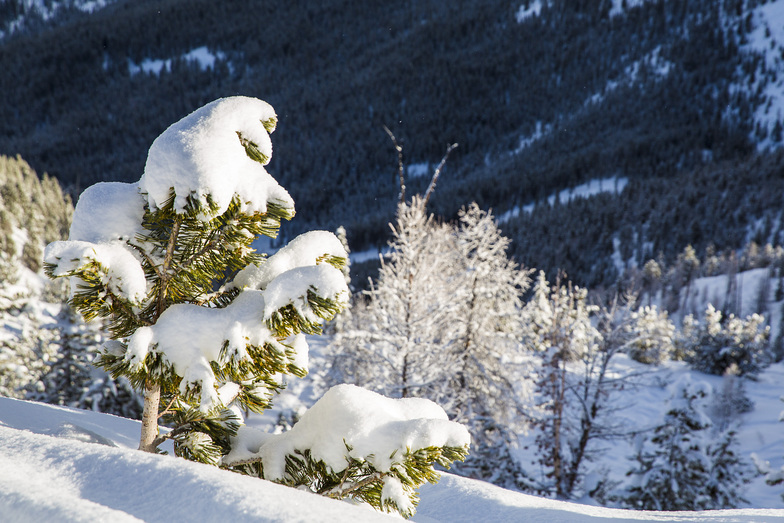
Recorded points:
(436,174)
(400,171)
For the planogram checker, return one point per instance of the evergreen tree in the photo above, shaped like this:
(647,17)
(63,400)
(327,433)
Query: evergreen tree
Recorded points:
(678,468)
(651,336)
(204,325)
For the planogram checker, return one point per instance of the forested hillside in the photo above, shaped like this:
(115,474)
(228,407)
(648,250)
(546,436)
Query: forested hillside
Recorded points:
(540,95)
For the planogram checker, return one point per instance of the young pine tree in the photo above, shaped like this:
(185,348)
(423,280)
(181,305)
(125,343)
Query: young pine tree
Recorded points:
(207,327)
(157,259)
(683,466)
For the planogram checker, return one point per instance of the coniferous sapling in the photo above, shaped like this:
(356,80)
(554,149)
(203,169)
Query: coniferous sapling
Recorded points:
(157,258)
(207,327)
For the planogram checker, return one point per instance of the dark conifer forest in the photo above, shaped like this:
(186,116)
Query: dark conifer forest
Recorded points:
(663,94)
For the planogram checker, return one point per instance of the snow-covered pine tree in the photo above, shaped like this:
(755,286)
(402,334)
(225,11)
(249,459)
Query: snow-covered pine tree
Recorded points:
(200,321)
(683,466)
(488,390)
(157,259)
(672,474)
(651,336)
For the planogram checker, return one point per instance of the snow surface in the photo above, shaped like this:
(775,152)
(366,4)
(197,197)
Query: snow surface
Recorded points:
(767,39)
(55,477)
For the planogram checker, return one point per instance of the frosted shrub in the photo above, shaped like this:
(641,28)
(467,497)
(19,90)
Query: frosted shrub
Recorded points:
(651,335)
(718,344)
(203,324)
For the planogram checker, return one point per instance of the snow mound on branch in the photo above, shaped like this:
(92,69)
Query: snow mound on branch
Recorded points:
(202,155)
(108,211)
(373,427)
(325,279)
(306,249)
(123,272)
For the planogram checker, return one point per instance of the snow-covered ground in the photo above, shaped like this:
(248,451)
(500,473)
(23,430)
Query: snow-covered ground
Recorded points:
(59,464)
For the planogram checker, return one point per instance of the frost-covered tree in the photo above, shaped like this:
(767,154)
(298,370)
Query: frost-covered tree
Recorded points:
(651,336)
(718,344)
(72,379)
(33,210)
(402,340)
(557,327)
(488,391)
(683,466)
(28,340)
(199,321)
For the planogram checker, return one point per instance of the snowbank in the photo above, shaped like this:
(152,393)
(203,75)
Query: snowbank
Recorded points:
(65,476)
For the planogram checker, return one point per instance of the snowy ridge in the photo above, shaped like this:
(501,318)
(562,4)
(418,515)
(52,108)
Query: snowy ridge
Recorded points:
(56,479)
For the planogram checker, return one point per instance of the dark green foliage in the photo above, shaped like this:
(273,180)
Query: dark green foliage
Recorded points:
(361,481)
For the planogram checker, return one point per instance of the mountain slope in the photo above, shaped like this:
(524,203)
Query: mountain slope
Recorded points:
(570,92)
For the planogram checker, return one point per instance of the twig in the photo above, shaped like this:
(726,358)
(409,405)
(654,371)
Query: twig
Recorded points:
(436,174)
(399,165)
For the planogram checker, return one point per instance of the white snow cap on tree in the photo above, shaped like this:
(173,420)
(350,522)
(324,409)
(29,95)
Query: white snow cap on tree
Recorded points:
(106,216)
(304,250)
(375,428)
(200,156)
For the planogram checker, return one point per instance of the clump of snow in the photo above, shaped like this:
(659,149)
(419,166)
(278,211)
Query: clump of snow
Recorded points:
(323,278)
(306,249)
(108,211)
(352,422)
(122,271)
(201,155)
(239,323)
(106,216)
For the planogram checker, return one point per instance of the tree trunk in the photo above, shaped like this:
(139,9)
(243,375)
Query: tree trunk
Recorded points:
(152,398)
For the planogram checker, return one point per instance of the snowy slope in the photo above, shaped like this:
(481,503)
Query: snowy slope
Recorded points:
(53,468)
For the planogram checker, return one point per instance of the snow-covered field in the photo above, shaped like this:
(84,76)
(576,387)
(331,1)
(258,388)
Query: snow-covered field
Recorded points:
(59,464)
